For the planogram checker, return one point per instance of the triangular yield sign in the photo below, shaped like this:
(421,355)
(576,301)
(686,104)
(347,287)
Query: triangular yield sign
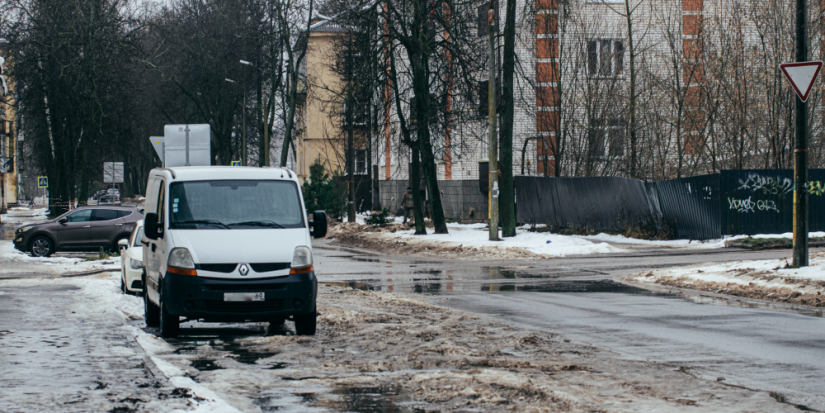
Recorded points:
(801,76)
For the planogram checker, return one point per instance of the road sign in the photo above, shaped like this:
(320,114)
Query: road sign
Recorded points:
(42,181)
(112,172)
(236,163)
(157,143)
(801,76)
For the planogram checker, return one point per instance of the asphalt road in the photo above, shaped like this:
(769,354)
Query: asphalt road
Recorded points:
(753,344)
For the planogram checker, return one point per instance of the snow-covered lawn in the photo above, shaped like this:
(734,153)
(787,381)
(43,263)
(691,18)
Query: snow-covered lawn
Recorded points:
(766,279)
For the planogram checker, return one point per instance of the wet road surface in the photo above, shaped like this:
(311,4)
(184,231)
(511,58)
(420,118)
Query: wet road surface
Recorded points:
(58,355)
(757,345)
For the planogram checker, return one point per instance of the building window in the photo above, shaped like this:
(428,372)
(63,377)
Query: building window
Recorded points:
(608,138)
(605,57)
(360,161)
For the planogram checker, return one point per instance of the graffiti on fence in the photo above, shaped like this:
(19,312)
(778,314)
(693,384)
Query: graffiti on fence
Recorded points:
(768,185)
(816,188)
(746,205)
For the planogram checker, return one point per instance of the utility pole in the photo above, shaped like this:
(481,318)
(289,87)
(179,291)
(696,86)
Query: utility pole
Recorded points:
(800,193)
(243,139)
(491,106)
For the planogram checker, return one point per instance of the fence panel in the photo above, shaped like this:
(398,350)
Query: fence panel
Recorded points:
(598,203)
(690,206)
(760,201)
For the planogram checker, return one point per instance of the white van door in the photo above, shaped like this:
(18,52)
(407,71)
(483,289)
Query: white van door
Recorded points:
(155,250)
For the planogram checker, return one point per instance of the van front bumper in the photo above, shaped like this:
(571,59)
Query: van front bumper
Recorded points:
(196,297)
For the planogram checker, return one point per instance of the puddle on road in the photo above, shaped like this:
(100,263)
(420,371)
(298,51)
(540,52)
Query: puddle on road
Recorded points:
(580,286)
(205,365)
(368,400)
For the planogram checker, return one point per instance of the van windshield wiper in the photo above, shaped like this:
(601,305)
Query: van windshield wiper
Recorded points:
(261,223)
(203,222)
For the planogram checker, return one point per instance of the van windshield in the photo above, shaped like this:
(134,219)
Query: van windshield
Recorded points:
(241,204)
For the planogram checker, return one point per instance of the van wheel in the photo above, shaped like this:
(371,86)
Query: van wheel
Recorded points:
(169,323)
(42,247)
(123,283)
(150,311)
(305,323)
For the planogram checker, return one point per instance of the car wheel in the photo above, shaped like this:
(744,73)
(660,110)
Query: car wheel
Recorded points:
(151,312)
(123,283)
(41,247)
(305,324)
(169,323)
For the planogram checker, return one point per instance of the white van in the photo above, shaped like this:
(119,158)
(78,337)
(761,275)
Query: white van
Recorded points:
(228,244)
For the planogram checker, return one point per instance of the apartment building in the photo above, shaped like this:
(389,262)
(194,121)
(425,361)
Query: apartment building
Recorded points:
(9,148)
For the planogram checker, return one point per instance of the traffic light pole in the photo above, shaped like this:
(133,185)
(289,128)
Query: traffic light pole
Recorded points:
(800,193)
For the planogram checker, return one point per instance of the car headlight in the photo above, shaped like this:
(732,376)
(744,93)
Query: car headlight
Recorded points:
(24,229)
(136,264)
(301,260)
(181,258)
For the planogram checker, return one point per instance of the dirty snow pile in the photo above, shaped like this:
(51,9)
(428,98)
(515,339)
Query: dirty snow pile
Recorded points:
(15,261)
(765,279)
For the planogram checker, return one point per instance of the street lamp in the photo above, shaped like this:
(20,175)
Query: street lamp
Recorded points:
(243,132)
(266,119)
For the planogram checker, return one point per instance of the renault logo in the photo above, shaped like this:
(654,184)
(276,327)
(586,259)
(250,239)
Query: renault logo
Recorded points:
(244,269)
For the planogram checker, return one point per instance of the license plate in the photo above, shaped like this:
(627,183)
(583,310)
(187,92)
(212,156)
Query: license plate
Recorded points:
(244,296)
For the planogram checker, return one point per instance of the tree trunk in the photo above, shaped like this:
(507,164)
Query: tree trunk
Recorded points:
(507,196)
(415,184)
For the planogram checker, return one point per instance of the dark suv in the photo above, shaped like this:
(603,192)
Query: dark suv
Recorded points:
(83,229)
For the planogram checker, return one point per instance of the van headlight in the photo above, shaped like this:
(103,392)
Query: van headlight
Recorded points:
(24,229)
(136,264)
(301,261)
(180,262)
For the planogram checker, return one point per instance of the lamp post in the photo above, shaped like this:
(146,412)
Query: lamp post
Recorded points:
(243,132)
(266,119)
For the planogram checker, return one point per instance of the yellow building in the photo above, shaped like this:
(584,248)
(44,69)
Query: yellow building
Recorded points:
(9,152)
(322,137)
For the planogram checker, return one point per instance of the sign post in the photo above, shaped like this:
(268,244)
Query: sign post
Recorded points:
(43,182)
(801,75)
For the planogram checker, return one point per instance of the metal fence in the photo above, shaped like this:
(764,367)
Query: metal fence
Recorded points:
(689,206)
(702,207)
(760,201)
(599,204)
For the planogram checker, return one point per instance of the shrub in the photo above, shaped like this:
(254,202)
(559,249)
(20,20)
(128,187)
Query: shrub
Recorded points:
(321,192)
(379,218)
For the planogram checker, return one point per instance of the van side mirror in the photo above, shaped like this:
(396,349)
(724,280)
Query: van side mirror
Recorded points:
(63,220)
(150,226)
(318,224)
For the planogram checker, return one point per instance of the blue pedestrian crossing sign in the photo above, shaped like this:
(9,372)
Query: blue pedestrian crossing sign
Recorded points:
(42,181)
(236,163)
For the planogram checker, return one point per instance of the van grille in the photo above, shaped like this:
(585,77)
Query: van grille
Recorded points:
(270,266)
(217,267)
(244,307)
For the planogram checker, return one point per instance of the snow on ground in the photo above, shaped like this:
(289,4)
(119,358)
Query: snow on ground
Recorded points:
(15,261)
(546,244)
(764,279)
(472,241)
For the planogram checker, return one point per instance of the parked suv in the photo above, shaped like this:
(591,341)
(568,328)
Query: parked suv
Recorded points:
(84,229)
